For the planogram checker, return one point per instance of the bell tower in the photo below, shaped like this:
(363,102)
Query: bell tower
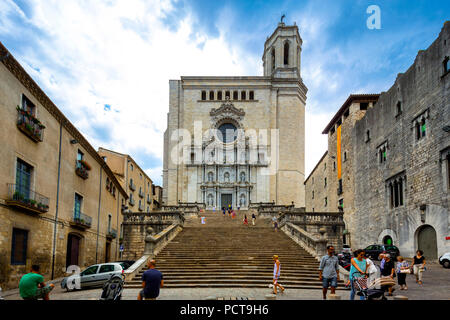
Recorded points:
(282,52)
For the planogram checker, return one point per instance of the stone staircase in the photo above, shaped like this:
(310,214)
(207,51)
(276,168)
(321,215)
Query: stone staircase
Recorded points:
(225,253)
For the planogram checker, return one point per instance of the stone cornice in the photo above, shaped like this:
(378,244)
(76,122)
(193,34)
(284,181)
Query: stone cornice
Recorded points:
(24,78)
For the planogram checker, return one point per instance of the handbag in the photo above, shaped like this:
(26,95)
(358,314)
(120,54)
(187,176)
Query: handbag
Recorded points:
(405,270)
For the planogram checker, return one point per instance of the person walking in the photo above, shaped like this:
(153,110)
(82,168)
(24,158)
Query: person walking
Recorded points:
(245,220)
(152,281)
(276,274)
(275,223)
(223,211)
(358,269)
(372,271)
(388,270)
(329,271)
(32,286)
(402,271)
(418,265)
(253,219)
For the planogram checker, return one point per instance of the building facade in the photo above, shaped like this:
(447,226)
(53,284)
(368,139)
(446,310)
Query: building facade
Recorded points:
(403,168)
(138,185)
(238,140)
(387,164)
(56,209)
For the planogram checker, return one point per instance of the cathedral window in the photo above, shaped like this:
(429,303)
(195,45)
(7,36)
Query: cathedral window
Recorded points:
(273,59)
(286,53)
(235,95)
(219,95)
(203,95)
(251,95)
(227,95)
(211,95)
(227,132)
(243,95)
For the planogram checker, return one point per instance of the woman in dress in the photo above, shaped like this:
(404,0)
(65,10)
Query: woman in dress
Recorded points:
(402,271)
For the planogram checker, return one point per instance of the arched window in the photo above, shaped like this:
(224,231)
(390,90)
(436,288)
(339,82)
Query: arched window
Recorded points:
(203,95)
(273,59)
(219,95)
(227,95)
(235,95)
(211,95)
(251,95)
(286,53)
(243,95)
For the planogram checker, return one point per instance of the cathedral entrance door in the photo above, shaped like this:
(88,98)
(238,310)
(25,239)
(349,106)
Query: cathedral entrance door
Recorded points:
(226,199)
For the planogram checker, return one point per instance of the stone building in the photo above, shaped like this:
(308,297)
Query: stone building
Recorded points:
(137,184)
(238,140)
(316,191)
(388,160)
(402,180)
(60,204)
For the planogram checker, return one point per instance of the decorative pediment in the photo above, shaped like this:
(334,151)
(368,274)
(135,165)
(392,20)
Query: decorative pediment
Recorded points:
(227,108)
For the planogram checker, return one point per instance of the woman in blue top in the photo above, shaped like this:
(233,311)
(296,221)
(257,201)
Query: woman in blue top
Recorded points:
(357,270)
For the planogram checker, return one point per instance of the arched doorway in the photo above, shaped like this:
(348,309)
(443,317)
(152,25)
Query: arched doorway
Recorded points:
(73,250)
(387,241)
(427,241)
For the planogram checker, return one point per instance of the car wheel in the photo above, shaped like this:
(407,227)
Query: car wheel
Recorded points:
(446,264)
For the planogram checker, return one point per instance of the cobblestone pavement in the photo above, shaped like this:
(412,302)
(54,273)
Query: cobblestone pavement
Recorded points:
(436,284)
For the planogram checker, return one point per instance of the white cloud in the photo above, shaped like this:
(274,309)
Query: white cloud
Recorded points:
(122,54)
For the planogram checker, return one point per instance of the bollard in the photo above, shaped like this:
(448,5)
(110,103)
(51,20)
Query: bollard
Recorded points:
(271,297)
(334,297)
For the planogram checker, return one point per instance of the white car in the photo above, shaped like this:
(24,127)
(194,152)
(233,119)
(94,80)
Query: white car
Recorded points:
(445,260)
(97,275)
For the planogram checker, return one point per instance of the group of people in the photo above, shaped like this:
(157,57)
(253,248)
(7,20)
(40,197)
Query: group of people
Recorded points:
(232,214)
(363,267)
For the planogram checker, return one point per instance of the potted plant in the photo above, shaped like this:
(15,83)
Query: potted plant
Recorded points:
(33,203)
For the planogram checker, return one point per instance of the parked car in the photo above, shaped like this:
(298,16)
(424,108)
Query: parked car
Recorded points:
(373,251)
(445,260)
(346,249)
(96,275)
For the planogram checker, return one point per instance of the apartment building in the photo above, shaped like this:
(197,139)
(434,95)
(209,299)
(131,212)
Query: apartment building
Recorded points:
(60,203)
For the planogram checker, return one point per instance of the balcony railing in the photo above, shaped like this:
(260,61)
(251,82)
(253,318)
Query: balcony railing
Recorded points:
(24,198)
(81,220)
(131,201)
(141,207)
(141,194)
(82,169)
(132,186)
(149,200)
(112,233)
(30,125)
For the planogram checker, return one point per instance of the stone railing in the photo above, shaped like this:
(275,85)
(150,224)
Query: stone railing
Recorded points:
(316,246)
(313,218)
(154,243)
(158,217)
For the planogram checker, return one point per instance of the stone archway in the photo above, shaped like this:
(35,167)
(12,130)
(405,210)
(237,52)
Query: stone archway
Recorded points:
(388,235)
(427,241)
(387,240)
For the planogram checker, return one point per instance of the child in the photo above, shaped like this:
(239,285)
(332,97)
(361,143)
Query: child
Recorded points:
(245,220)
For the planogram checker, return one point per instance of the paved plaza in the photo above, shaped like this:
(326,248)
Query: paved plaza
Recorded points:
(436,287)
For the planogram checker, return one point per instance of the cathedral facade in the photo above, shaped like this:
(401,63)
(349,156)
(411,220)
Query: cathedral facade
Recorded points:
(239,140)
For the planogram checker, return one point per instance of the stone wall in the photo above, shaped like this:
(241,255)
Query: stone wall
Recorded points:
(423,93)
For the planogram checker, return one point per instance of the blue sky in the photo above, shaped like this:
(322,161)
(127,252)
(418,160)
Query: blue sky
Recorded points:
(106,64)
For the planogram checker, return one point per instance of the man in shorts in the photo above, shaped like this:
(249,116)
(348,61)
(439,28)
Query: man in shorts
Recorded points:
(329,271)
(152,281)
(32,286)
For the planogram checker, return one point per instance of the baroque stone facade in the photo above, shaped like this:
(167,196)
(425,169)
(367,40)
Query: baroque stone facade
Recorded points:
(238,140)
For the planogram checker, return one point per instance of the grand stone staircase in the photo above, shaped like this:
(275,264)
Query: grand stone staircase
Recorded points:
(225,253)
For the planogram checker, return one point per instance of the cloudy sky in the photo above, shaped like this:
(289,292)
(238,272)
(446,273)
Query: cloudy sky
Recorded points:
(106,64)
